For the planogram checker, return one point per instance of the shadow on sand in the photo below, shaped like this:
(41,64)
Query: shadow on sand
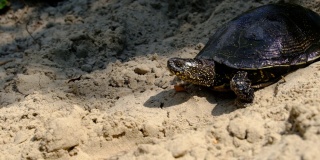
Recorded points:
(222,102)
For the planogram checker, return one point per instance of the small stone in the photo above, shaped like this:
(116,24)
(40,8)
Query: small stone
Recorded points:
(63,133)
(100,64)
(133,84)
(236,128)
(86,67)
(245,128)
(142,69)
(20,137)
(150,79)
(158,72)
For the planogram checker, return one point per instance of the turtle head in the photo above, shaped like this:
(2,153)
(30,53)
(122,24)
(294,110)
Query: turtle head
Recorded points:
(195,71)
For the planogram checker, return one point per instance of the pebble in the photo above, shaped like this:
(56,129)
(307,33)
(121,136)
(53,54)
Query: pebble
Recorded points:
(86,67)
(142,69)
(20,137)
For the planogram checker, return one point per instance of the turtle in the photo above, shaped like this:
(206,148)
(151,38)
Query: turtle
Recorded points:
(254,50)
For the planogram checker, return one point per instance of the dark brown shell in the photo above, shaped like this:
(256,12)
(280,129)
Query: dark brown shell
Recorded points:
(268,36)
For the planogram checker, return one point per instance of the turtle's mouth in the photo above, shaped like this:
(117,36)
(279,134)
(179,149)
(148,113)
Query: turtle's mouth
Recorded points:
(195,71)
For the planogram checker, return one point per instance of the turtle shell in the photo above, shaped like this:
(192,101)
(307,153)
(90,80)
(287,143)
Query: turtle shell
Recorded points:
(269,36)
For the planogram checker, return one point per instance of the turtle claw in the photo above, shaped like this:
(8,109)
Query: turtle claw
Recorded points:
(241,86)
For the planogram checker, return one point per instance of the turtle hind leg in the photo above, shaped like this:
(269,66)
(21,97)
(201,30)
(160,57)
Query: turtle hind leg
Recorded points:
(240,84)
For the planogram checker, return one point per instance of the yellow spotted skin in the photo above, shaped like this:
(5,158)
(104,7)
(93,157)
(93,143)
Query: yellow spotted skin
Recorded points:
(193,71)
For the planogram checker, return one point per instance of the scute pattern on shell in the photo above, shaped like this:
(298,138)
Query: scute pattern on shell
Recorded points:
(268,36)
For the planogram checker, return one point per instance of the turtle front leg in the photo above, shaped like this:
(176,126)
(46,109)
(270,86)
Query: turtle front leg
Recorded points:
(241,86)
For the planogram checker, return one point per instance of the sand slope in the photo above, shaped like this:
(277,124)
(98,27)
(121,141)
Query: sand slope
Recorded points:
(123,106)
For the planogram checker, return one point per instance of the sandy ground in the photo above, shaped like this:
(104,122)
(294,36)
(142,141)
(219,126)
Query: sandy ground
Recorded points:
(123,106)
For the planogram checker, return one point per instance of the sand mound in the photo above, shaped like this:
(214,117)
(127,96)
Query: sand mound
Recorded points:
(92,83)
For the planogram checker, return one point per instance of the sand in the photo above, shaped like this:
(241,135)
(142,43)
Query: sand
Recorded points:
(88,80)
